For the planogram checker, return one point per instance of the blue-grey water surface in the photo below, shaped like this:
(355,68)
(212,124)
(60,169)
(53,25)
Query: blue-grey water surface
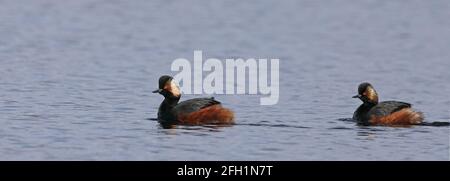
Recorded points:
(76,78)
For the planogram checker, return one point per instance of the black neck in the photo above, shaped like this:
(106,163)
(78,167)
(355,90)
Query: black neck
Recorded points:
(170,102)
(361,115)
(165,109)
(369,104)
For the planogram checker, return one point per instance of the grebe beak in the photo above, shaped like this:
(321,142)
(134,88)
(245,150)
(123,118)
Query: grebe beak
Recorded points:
(357,96)
(157,91)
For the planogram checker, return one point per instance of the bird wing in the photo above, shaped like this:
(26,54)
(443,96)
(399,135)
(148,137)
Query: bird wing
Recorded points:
(193,105)
(388,107)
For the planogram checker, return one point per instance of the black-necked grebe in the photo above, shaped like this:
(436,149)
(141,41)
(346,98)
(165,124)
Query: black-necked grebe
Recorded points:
(190,112)
(372,112)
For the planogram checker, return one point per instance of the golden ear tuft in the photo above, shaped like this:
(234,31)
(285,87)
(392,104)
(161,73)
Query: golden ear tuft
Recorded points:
(173,88)
(371,94)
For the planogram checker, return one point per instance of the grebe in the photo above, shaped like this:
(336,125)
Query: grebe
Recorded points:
(190,112)
(372,112)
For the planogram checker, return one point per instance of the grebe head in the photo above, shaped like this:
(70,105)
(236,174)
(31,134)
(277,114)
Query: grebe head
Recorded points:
(168,87)
(367,93)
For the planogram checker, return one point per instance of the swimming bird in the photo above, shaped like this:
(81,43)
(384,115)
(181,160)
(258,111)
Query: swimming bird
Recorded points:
(196,111)
(386,113)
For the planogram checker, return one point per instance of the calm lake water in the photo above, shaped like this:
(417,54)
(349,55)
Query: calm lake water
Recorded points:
(76,78)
